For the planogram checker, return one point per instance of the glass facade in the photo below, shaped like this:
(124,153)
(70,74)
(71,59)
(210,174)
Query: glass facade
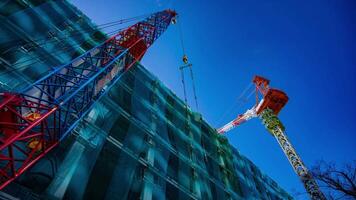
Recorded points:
(36,35)
(138,142)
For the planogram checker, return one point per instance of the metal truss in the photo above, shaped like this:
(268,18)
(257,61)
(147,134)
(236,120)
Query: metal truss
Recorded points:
(275,127)
(35,120)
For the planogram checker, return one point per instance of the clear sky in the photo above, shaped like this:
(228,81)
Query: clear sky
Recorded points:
(306,48)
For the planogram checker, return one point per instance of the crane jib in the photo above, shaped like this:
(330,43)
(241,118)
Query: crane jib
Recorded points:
(35,120)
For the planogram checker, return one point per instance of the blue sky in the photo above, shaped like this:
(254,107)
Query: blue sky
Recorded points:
(307,49)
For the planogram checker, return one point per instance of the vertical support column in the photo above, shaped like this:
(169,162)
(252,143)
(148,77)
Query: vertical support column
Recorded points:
(276,128)
(150,156)
(89,140)
(194,183)
(222,165)
(60,183)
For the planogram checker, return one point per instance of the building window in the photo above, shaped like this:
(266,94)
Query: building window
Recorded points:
(12,7)
(28,47)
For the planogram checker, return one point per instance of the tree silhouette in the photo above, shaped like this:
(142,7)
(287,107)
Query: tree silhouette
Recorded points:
(337,183)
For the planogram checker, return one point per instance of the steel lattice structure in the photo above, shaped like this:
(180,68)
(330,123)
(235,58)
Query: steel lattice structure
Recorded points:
(35,120)
(276,128)
(272,102)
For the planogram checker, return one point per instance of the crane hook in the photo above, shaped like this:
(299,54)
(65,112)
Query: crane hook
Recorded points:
(174,20)
(185,59)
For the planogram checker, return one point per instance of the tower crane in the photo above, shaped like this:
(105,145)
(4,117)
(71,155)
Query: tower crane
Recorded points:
(267,109)
(36,119)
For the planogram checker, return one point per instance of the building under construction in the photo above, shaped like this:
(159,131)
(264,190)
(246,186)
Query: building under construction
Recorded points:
(129,138)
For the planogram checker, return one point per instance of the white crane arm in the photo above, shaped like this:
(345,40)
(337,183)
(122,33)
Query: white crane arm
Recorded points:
(249,114)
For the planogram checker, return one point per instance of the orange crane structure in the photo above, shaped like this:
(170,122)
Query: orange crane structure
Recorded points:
(267,109)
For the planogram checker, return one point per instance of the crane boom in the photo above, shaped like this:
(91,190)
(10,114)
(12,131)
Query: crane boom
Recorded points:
(249,114)
(267,110)
(35,120)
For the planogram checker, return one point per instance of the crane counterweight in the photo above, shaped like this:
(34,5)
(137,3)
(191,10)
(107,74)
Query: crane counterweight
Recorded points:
(274,99)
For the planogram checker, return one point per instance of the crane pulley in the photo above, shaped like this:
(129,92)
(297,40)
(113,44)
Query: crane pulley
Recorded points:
(267,109)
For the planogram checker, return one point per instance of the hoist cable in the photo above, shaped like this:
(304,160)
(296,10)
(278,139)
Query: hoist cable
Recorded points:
(62,39)
(182,67)
(68,49)
(71,33)
(194,91)
(183,83)
(240,102)
(185,61)
(181,36)
(70,46)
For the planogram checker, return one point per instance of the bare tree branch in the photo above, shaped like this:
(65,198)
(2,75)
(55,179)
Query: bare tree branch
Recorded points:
(339,183)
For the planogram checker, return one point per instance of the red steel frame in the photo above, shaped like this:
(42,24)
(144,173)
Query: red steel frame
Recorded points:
(34,121)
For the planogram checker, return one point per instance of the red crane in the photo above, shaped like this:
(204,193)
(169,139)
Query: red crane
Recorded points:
(35,120)
(267,109)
